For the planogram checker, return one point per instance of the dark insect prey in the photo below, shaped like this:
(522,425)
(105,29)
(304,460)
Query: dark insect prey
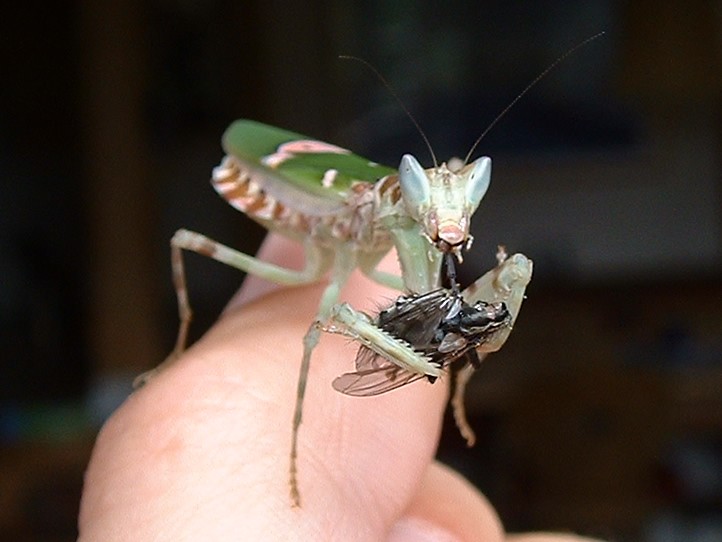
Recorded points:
(439,324)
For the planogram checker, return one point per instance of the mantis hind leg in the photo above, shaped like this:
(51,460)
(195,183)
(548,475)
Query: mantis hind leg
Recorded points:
(343,268)
(310,340)
(457,404)
(316,265)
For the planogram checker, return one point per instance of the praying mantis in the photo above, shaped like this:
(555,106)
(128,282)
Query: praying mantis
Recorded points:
(348,213)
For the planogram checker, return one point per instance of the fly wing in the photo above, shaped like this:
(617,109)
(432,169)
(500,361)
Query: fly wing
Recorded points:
(367,384)
(416,319)
(374,375)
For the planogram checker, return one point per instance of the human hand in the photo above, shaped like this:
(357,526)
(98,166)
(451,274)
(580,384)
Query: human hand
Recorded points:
(201,452)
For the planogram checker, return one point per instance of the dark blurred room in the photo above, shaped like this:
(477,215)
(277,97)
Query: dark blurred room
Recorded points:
(602,415)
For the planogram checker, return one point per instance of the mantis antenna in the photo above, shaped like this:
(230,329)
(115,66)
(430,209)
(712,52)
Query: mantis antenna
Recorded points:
(396,97)
(527,89)
(503,112)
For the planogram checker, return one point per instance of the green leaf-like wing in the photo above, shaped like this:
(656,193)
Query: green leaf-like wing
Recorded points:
(292,162)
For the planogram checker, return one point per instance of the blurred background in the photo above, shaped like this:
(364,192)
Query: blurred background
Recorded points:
(602,415)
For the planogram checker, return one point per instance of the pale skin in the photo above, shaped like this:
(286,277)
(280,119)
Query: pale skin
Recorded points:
(201,452)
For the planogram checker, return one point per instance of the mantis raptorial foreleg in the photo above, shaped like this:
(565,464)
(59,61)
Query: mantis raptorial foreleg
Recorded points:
(347,321)
(507,283)
(397,347)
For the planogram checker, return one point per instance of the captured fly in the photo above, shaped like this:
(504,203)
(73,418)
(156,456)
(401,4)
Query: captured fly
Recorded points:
(439,324)
(438,327)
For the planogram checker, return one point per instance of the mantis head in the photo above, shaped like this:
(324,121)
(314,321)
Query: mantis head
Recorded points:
(442,201)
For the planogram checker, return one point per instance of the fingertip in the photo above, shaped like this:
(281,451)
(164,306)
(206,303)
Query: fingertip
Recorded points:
(448,508)
(550,537)
(415,529)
